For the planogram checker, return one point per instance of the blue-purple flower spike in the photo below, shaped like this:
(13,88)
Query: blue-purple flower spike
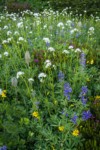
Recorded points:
(67,90)
(86,115)
(60,76)
(83,60)
(74,119)
(83,93)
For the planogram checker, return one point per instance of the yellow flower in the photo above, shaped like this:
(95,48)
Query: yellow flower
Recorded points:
(75,132)
(97,97)
(88,80)
(35,114)
(3,94)
(61,128)
(92,61)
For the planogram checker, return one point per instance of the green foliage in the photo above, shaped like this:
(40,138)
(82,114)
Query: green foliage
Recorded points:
(34,112)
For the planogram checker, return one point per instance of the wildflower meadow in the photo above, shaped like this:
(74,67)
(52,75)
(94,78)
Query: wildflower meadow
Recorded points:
(49,81)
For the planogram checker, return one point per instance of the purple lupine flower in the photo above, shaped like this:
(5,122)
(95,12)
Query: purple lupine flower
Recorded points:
(84,90)
(36,60)
(67,90)
(83,60)
(47,44)
(83,93)
(3,148)
(86,115)
(74,119)
(60,76)
(84,100)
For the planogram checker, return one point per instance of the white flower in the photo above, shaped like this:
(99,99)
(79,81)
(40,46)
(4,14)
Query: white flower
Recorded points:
(78,50)
(70,47)
(9,40)
(47,63)
(91,29)
(60,24)
(16,33)
(19,74)
(0,56)
(36,14)
(4,41)
(65,51)
(6,53)
(47,40)
(42,75)
(51,49)
(68,22)
(14,81)
(31,80)
(0,91)
(9,32)
(5,27)
(79,24)
(21,39)
(20,24)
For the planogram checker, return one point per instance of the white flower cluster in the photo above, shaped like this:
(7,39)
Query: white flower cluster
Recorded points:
(47,63)
(41,77)
(91,31)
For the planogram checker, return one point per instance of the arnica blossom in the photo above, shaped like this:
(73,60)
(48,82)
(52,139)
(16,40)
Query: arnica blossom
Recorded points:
(3,93)
(60,76)
(86,115)
(83,59)
(3,148)
(35,114)
(75,132)
(61,128)
(67,90)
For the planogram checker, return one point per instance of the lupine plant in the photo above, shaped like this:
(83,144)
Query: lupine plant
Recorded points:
(47,69)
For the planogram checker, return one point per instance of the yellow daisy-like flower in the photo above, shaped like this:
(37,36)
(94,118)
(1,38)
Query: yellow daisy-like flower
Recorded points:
(75,132)
(97,97)
(91,61)
(61,128)
(3,94)
(35,114)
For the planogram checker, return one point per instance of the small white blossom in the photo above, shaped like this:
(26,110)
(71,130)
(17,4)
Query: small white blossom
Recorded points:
(60,24)
(21,39)
(5,27)
(51,49)
(47,40)
(31,80)
(77,50)
(9,32)
(65,51)
(0,91)
(42,75)
(70,47)
(4,41)
(20,24)
(6,53)
(47,63)
(16,33)
(19,74)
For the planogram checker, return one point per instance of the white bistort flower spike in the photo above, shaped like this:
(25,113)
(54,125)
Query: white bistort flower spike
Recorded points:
(20,73)
(27,57)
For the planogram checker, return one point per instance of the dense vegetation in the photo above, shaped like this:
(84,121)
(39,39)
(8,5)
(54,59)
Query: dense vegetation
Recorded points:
(76,6)
(49,78)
